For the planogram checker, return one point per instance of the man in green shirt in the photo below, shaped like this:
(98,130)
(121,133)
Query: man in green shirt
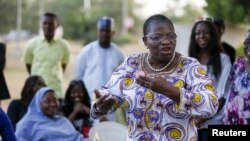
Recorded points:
(48,55)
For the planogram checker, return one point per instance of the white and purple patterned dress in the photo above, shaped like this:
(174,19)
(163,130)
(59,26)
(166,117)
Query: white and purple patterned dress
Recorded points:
(152,116)
(237,110)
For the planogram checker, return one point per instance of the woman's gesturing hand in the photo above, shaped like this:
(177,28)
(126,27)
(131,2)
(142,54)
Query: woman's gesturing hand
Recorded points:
(104,102)
(155,83)
(160,85)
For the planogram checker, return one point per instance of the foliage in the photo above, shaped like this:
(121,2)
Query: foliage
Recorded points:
(239,51)
(125,38)
(190,14)
(77,23)
(81,24)
(234,11)
(8,15)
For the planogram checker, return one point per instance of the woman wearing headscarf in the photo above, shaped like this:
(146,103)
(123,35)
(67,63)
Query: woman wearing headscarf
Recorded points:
(41,121)
(18,107)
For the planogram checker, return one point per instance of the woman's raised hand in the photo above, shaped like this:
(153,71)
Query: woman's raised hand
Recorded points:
(104,102)
(155,83)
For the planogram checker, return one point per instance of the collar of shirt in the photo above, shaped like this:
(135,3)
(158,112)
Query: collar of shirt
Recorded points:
(44,39)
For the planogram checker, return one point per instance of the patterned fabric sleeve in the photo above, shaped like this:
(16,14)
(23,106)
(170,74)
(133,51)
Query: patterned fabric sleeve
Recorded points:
(238,62)
(198,97)
(114,87)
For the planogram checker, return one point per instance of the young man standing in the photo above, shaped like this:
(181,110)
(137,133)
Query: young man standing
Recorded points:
(48,55)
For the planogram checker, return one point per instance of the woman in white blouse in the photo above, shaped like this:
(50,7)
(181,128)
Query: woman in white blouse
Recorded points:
(205,47)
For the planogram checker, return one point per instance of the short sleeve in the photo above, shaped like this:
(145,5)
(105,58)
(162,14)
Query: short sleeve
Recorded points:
(28,52)
(66,53)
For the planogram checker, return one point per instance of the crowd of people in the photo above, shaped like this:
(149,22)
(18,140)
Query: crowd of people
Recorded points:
(159,95)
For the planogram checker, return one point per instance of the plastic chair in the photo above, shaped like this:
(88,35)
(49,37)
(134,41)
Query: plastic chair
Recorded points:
(107,131)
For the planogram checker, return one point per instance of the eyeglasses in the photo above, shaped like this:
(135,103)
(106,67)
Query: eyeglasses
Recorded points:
(160,37)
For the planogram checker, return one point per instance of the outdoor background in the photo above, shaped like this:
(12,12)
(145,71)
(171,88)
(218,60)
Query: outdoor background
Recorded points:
(20,21)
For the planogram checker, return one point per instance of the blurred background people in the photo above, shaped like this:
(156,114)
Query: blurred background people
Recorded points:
(228,49)
(4,91)
(41,122)
(237,111)
(17,108)
(98,59)
(76,106)
(206,48)
(48,55)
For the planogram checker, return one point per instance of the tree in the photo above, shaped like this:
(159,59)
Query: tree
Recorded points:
(233,11)
(190,14)
(8,12)
(80,24)
(77,23)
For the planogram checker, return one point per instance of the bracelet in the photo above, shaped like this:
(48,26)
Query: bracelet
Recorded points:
(97,110)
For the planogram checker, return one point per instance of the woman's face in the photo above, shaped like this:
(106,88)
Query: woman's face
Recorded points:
(160,40)
(77,94)
(247,45)
(49,104)
(202,35)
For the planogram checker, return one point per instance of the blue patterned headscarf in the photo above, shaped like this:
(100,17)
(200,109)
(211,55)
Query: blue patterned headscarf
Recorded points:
(35,125)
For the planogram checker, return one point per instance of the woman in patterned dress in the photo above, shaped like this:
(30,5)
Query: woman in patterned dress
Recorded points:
(162,91)
(237,111)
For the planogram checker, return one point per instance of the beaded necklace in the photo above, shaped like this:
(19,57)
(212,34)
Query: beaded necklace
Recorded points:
(161,69)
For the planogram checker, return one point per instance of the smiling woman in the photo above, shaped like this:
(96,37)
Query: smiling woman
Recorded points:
(205,47)
(42,113)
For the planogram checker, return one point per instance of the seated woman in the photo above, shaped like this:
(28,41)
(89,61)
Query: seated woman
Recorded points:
(76,106)
(17,108)
(41,122)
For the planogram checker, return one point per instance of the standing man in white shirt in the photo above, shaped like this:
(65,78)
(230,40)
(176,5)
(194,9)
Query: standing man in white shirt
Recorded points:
(98,59)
